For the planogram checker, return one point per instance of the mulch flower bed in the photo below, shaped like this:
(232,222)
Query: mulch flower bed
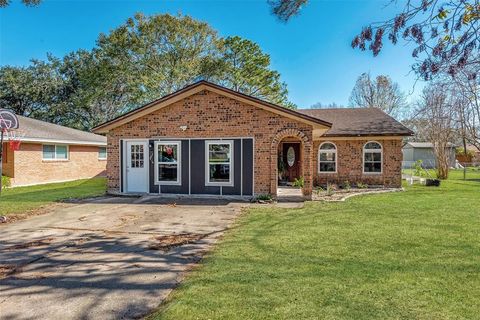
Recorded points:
(342,195)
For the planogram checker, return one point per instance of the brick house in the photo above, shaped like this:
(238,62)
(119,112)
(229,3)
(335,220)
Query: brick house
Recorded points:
(53,153)
(207,139)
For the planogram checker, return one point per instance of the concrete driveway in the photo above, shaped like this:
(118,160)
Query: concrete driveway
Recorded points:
(110,258)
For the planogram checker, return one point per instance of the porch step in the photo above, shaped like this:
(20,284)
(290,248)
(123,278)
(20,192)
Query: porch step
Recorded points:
(289,194)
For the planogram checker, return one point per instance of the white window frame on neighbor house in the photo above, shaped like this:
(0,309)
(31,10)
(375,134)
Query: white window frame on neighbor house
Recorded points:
(100,157)
(228,183)
(320,151)
(178,163)
(55,153)
(373,151)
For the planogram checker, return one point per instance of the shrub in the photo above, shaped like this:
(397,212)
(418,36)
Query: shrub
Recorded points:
(461,152)
(417,168)
(6,182)
(319,190)
(299,182)
(361,185)
(330,189)
(346,185)
(264,197)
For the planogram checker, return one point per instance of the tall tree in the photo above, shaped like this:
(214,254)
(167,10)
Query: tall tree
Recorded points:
(152,56)
(285,9)
(467,96)
(247,69)
(320,105)
(445,33)
(380,92)
(141,60)
(29,3)
(30,90)
(435,108)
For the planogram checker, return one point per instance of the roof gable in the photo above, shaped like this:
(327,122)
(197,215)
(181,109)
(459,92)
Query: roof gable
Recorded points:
(205,85)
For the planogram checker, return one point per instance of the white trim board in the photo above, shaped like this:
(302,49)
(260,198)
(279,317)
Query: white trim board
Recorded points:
(146,162)
(231,163)
(335,151)
(60,141)
(156,162)
(372,151)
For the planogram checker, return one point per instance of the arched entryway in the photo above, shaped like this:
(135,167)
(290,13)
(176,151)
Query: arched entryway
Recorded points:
(291,155)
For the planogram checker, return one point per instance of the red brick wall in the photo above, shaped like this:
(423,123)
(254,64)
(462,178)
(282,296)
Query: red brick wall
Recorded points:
(350,163)
(30,168)
(210,115)
(7,161)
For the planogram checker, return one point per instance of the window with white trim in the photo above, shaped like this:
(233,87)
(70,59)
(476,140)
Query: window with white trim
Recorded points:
(372,157)
(55,152)
(102,153)
(219,163)
(168,162)
(327,157)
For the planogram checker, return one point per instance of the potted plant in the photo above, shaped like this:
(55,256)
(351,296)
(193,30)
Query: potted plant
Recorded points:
(281,169)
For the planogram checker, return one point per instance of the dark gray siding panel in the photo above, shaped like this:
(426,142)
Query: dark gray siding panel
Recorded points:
(151,163)
(242,175)
(248,153)
(237,173)
(182,189)
(198,170)
(121,165)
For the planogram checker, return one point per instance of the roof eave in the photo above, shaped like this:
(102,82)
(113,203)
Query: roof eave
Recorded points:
(383,134)
(62,141)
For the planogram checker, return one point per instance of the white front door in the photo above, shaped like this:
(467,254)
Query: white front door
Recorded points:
(137,166)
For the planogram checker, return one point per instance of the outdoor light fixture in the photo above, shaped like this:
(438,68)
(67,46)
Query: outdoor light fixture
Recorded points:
(183,128)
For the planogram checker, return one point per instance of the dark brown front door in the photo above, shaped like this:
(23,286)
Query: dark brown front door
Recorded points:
(291,159)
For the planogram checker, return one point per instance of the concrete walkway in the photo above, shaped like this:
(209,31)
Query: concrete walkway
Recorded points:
(110,258)
(289,194)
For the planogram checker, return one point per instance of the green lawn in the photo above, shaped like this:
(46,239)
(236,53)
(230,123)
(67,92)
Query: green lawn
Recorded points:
(24,199)
(405,255)
(471,173)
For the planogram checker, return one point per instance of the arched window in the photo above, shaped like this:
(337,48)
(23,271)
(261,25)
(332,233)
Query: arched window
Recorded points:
(327,157)
(372,157)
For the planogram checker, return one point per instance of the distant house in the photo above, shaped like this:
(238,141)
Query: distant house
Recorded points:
(472,158)
(475,152)
(414,151)
(53,153)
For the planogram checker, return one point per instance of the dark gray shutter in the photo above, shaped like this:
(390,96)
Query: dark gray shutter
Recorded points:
(198,170)
(248,170)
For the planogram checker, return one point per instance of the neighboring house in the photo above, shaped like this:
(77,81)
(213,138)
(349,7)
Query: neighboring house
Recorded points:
(414,151)
(53,153)
(472,158)
(207,139)
(476,154)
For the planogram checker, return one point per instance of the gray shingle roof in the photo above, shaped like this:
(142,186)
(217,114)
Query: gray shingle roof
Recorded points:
(358,122)
(41,131)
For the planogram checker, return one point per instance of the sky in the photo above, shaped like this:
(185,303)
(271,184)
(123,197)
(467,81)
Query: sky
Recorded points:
(312,51)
